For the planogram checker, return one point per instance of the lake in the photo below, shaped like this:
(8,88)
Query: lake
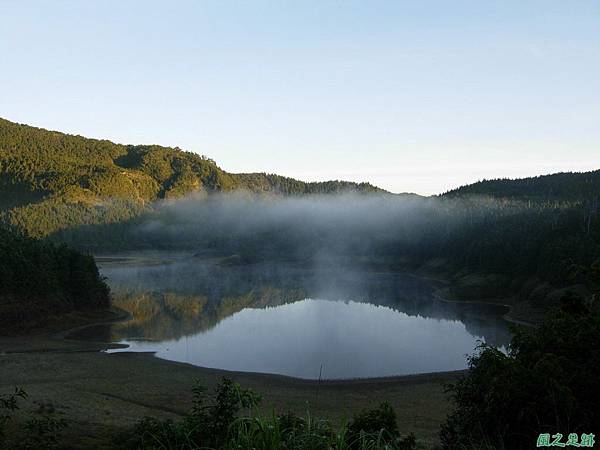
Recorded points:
(309,321)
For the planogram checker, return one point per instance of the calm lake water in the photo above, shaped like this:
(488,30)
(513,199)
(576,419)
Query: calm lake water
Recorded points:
(292,320)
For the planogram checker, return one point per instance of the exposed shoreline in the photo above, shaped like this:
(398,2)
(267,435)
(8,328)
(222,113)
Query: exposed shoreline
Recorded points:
(506,316)
(103,394)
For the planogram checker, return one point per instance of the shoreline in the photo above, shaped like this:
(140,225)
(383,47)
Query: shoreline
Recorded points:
(506,316)
(75,345)
(102,394)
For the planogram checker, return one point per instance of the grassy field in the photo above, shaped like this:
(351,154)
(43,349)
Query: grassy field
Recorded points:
(102,394)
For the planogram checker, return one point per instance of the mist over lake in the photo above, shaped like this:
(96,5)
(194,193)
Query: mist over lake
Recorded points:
(307,225)
(290,319)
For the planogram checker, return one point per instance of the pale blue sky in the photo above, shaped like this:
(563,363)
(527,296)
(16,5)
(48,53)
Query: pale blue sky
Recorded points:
(415,96)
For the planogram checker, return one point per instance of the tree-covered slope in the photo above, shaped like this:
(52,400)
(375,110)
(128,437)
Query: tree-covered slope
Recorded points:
(51,181)
(567,188)
(542,235)
(263,182)
(39,279)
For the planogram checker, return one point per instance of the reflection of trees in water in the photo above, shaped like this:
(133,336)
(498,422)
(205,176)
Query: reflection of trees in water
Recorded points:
(191,296)
(167,315)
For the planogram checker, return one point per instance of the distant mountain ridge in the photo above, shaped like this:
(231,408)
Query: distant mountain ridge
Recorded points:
(51,180)
(568,187)
(526,240)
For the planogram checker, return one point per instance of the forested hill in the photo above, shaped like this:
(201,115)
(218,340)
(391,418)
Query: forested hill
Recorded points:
(51,181)
(39,280)
(568,187)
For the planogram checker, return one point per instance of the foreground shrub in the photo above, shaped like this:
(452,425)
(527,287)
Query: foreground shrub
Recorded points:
(206,426)
(216,422)
(37,432)
(548,383)
(380,422)
(8,405)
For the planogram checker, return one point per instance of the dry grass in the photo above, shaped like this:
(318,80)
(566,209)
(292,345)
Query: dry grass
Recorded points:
(102,394)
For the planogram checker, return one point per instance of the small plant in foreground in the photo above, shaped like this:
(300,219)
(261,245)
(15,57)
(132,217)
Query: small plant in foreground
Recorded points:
(38,433)
(215,422)
(380,422)
(8,405)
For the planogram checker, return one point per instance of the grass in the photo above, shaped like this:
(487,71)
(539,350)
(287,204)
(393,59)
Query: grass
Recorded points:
(226,419)
(102,394)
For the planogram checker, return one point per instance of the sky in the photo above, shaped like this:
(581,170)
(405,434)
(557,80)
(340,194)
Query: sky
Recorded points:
(413,96)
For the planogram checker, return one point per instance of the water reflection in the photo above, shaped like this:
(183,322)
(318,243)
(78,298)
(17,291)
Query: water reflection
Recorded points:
(290,319)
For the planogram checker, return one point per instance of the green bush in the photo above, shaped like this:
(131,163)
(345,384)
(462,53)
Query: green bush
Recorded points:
(37,432)
(216,422)
(548,383)
(8,405)
(380,422)
(206,426)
